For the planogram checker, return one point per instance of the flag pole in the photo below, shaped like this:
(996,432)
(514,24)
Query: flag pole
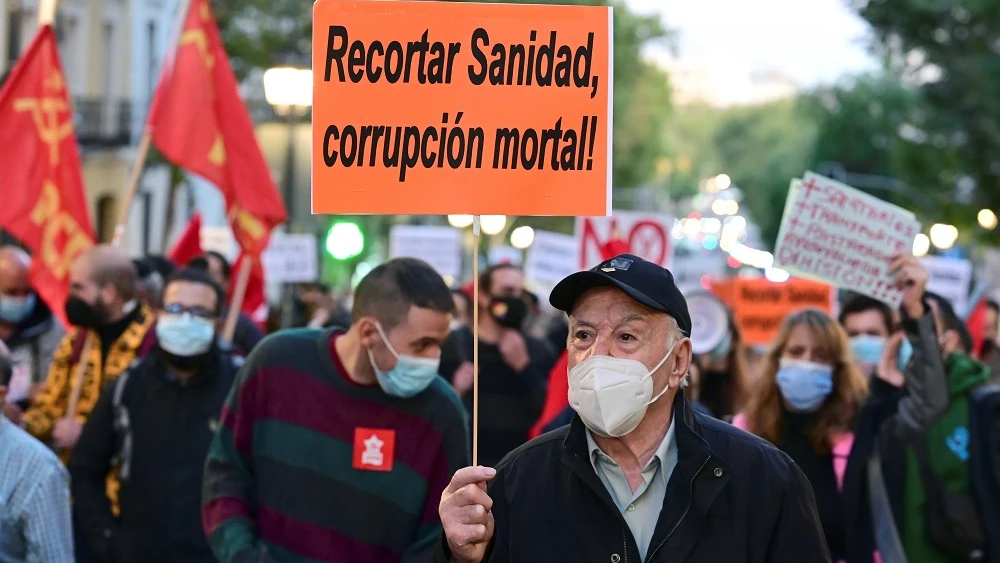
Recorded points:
(147,134)
(239,292)
(475,340)
(47,16)
(133,186)
(46,12)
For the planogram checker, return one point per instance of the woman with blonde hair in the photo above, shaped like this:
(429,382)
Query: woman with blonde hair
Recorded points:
(804,402)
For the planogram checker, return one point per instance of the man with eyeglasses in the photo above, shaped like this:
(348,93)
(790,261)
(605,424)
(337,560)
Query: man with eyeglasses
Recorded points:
(153,427)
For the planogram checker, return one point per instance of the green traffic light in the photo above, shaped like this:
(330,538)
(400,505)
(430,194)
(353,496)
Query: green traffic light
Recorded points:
(344,241)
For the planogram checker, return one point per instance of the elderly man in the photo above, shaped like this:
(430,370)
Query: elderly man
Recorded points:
(27,327)
(637,475)
(34,493)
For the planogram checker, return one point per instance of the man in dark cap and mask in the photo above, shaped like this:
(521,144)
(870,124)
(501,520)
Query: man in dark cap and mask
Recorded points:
(637,475)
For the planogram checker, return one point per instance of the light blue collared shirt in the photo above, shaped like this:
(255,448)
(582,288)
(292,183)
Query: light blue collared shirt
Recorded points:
(35,521)
(640,509)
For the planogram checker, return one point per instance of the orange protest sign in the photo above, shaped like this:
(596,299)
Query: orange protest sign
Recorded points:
(435,108)
(759,305)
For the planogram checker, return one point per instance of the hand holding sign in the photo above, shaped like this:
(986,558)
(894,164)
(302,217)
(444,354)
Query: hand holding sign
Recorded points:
(910,277)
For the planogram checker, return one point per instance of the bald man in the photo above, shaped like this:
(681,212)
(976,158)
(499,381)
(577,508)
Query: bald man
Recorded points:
(28,329)
(103,308)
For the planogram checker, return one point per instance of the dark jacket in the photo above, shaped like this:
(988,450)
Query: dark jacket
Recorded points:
(732,498)
(888,421)
(34,342)
(172,425)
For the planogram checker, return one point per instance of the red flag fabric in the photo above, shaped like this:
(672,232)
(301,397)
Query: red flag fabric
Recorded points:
(41,177)
(188,245)
(976,323)
(557,398)
(254,300)
(199,122)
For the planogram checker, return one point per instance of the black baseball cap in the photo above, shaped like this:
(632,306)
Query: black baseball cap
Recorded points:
(645,282)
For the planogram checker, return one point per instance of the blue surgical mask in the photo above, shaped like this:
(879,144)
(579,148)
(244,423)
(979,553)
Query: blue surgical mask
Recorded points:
(867,348)
(15,309)
(411,374)
(804,385)
(905,354)
(185,335)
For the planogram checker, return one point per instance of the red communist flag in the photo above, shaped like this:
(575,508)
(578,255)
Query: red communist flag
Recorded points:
(41,177)
(188,245)
(199,122)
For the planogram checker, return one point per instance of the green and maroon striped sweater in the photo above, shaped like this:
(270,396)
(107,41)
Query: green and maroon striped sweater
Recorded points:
(280,480)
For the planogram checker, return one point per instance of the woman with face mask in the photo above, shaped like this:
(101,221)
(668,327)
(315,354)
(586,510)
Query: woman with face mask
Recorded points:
(804,402)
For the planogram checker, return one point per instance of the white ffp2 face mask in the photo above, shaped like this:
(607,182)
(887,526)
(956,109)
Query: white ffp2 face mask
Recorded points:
(611,395)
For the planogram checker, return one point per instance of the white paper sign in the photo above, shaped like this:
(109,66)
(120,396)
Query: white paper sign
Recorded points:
(219,239)
(950,278)
(291,259)
(834,233)
(550,258)
(441,247)
(646,234)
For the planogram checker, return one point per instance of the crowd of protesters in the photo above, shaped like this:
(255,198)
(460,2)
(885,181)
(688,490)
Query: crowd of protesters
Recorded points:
(141,433)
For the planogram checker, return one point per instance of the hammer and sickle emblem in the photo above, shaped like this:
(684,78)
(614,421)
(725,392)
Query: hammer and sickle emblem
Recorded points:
(55,223)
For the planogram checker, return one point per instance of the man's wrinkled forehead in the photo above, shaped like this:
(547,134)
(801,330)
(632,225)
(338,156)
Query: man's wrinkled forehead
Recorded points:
(609,304)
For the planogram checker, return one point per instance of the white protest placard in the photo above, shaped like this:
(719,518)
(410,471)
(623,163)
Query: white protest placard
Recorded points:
(218,239)
(550,258)
(950,278)
(441,247)
(834,233)
(291,258)
(646,234)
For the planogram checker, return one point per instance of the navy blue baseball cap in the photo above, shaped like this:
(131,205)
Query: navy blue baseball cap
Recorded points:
(646,282)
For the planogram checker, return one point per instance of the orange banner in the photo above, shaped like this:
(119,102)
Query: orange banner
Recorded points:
(759,305)
(435,108)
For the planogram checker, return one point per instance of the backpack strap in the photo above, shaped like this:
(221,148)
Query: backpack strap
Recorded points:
(122,423)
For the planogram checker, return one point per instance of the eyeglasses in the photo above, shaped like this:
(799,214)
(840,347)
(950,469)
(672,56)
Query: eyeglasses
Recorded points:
(196,311)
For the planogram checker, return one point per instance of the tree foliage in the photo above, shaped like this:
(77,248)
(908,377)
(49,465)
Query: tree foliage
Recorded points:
(951,48)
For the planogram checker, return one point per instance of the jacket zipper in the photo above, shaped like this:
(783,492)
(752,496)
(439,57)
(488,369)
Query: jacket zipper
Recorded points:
(686,510)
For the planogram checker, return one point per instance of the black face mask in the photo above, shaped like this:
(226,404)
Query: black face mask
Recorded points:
(82,314)
(184,363)
(509,312)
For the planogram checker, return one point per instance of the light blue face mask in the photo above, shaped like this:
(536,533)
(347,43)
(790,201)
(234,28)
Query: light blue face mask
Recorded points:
(804,385)
(185,335)
(411,374)
(867,348)
(15,309)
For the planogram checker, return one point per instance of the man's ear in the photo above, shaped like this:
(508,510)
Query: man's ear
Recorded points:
(368,334)
(682,363)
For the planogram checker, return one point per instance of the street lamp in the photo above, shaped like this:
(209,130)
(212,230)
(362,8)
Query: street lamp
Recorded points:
(289,91)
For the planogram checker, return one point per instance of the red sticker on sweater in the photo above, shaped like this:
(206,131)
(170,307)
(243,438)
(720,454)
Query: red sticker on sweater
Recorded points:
(373,449)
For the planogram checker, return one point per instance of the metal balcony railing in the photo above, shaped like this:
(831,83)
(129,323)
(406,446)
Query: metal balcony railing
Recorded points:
(103,122)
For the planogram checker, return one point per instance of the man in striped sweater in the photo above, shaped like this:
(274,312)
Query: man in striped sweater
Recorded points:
(335,446)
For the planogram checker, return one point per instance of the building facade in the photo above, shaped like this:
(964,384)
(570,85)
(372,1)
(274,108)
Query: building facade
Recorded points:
(111,53)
